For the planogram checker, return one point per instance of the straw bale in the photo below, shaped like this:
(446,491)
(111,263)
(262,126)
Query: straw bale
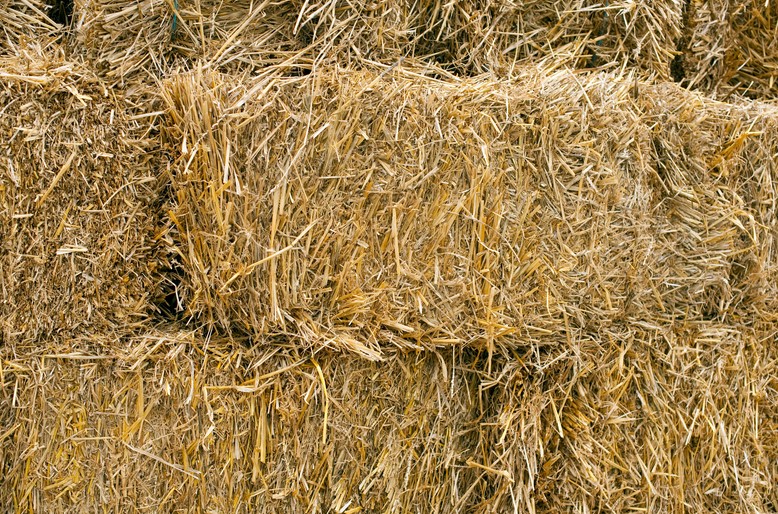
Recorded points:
(167,422)
(671,419)
(464,36)
(716,210)
(361,209)
(496,35)
(155,36)
(77,190)
(730,46)
(26,23)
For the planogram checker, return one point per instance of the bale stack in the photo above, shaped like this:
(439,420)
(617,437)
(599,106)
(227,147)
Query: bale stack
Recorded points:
(77,182)
(666,420)
(328,256)
(357,209)
(464,37)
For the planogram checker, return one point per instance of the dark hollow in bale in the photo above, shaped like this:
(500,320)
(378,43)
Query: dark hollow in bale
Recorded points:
(77,186)
(365,209)
(61,11)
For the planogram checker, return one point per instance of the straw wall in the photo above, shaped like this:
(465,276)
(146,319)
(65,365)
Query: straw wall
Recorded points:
(77,179)
(467,256)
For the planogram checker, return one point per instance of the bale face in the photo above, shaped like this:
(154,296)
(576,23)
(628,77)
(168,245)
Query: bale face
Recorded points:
(77,184)
(752,59)
(356,208)
(405,212)
(125,39)
(715,206)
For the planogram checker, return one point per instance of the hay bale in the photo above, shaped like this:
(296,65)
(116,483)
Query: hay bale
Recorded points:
(28,23)
(715,205)
(463,37)
(127,38)
(730,47)
(499,35)
(77,192)
(655,419)
(360,209)
(153,423)
(667,420)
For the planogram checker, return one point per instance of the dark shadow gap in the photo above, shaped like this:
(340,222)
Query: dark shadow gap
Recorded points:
(678,64)
(61,11)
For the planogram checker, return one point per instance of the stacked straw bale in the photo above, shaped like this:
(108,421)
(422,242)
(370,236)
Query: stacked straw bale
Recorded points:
(464,36)
(676,419)
(716,247)
(25,23)
(630,418)
(77,183)
(361,209)
(730,46)
(498,35)
(157,425)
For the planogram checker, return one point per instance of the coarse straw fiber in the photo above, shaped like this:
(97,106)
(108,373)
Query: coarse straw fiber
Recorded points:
(627,418)
(78,183)
(730,46)
(366,209)
(156,37)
